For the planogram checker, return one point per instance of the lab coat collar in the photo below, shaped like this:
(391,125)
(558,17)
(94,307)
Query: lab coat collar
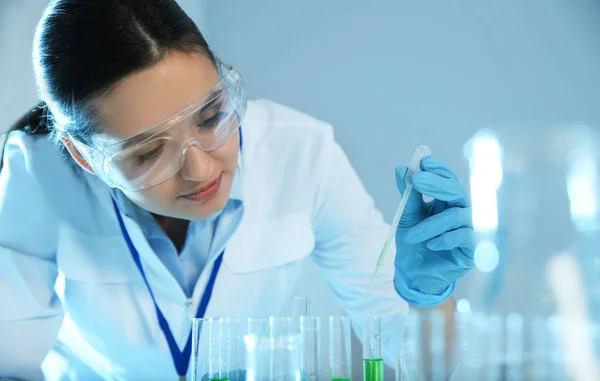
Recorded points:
(236,192)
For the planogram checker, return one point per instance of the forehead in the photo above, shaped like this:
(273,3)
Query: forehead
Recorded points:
(146,98)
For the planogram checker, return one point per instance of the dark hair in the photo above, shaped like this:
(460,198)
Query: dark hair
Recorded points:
(82,48)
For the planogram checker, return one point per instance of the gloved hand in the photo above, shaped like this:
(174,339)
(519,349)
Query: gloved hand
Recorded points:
(434,240)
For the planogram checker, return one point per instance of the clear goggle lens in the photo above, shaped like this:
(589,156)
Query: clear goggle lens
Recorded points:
(159,152)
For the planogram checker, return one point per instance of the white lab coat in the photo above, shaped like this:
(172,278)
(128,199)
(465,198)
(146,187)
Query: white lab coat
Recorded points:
(302,200)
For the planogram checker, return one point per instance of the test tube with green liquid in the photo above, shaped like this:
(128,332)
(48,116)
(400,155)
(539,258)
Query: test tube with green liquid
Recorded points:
(340,348)
(372,350)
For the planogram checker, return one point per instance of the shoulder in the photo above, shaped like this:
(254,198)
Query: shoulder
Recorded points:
(280,133)
(35,158)
(286,154)
(278,121)
(24,205)
(36,171)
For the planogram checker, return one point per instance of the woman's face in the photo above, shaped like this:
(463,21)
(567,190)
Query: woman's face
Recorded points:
(142,100)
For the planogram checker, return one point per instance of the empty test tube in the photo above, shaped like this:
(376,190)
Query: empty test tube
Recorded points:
(310,348)
(340,348)
(409,366)
(437,345)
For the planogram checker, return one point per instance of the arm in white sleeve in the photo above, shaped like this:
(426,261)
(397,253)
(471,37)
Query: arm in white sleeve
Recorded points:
(30,311)
(350,233)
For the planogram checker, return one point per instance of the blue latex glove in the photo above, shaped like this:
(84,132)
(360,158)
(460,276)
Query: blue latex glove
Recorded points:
(434,240)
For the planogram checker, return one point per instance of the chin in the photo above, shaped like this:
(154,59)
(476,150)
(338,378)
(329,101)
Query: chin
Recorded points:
(207,209)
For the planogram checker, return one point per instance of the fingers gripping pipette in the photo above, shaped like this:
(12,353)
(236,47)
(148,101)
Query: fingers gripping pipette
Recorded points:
(414,166)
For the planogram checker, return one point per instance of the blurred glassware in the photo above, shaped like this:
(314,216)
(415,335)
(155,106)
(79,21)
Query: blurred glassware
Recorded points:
(535,196)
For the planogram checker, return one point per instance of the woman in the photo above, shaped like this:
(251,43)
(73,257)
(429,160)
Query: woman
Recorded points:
(163,208)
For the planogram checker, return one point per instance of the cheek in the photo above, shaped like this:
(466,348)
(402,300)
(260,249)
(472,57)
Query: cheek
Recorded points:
(156,199)
(227,154)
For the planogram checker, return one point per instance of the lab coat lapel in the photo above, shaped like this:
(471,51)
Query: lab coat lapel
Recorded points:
(170,297)
(163,284)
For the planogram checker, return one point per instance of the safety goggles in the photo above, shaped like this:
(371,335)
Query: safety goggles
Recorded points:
(158,153)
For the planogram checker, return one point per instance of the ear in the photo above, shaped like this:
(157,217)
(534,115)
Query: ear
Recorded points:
(76,155)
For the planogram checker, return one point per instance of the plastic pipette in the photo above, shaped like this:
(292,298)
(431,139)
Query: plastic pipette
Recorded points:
(414,166)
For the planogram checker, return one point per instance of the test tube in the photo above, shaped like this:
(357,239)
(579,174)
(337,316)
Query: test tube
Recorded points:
(252,329)
(340,348)
(196,362)
(472,360)
(514,347)
(214,347)
(256,361)
(285,356)
(539,349)
(495,338)
(409,366)
(310,348)
(301,306)
(372,349)
(462,322)
(272,354)
(556,355)
(437,345)
(257,326)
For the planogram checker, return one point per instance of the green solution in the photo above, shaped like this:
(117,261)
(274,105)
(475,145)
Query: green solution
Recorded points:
(341,379)
(373,369)
(219,379)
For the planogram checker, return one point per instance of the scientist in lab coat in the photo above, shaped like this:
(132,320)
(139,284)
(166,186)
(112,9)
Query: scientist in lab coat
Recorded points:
(161,194)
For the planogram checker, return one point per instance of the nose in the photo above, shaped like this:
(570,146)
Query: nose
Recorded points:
(198,165)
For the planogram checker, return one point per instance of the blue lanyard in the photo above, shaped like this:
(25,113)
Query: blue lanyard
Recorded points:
(180,359)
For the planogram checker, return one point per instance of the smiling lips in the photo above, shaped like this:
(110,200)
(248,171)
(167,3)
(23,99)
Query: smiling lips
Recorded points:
(205,192)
